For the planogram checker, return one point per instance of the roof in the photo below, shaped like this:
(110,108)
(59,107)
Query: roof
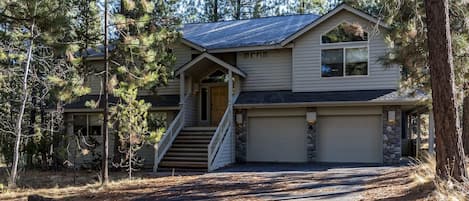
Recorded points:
(245,33)
(155,100)
(289,97)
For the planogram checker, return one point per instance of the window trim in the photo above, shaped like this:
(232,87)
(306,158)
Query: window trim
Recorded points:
(343,43)
(344,47)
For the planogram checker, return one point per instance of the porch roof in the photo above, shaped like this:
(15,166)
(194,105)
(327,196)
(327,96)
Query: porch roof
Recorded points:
(212,58)
(377,97)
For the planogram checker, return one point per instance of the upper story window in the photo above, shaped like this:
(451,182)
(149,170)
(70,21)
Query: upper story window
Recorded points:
(343,52)
(345,32)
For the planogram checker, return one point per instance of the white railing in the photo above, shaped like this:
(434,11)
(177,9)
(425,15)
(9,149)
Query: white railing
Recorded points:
(220,134)
(168,137)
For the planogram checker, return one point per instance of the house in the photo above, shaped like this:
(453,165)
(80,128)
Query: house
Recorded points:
(300,88)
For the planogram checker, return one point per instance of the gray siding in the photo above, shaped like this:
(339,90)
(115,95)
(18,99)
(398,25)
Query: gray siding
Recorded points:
(268,70)
(307,60)
(183,55)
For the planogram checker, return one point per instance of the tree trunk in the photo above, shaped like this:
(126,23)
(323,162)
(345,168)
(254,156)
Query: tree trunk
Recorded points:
(105,156)
(449,148)
(19,120)
(465,124)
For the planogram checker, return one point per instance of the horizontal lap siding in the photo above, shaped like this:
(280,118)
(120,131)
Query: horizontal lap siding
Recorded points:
(269,72)
(183,55)
(307,61)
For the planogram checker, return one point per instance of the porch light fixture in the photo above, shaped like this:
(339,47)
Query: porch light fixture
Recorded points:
(239,118)
(391,116)
(311,117)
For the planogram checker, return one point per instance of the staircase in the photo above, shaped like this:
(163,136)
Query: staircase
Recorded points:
(189,152)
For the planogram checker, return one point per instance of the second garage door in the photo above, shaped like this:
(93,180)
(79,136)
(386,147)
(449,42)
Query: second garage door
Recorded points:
(350,139)
(276,139)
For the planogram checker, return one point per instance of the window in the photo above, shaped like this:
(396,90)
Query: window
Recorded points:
(87,124)
(332,62)
(356,61)
(345,32)
(342,62)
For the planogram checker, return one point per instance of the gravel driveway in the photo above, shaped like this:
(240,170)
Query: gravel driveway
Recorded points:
(277,182)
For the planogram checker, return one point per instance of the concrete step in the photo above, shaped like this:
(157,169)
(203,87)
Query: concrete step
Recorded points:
(195,133)
(196,141)
(185,158)
(200,128)
(183,164)
(176,154)
(177,145)
(180,149)
(189,137)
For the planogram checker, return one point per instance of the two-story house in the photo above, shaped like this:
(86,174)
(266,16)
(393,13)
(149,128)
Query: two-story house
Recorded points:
(300,88)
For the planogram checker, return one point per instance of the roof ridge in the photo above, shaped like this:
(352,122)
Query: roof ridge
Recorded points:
(259,18)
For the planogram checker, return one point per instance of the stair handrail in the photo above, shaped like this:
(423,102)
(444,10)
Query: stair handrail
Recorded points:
(168,137)
(219,135)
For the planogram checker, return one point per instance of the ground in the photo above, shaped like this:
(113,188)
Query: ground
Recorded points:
(242,182)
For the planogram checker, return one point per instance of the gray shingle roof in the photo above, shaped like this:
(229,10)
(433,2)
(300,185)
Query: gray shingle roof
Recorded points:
(245,33)
(276,97)
(156,101)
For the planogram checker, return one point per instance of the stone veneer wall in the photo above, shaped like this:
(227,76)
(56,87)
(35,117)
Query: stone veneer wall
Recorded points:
(311,135)
(392,136)
(241,136)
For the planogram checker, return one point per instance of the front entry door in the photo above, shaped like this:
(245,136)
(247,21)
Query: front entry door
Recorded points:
(219,102)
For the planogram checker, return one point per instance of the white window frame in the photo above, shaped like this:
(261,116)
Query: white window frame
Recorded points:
(344,60)
(344,46)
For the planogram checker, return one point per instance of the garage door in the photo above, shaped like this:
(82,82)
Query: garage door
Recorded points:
(350,139)
(276,139)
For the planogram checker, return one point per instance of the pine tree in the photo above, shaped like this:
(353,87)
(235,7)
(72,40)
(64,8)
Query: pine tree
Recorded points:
(38,68)
(142,60)
(450,160)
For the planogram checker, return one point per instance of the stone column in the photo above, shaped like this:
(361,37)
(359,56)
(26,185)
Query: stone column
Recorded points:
(241,136)
(311,135)
(392,135)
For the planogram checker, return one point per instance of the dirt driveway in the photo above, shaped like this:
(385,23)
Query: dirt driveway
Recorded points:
(277,182)
(240,182)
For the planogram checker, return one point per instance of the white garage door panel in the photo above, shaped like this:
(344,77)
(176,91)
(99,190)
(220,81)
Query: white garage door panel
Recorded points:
(277,139)
(350,139)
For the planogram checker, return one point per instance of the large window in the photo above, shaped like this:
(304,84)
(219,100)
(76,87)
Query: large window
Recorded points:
(342,62)
(87,124)
(344,51)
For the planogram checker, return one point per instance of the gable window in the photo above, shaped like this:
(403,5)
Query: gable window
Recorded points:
(344,51)
(345,32)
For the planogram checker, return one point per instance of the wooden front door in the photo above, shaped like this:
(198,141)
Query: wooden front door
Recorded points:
(218,102)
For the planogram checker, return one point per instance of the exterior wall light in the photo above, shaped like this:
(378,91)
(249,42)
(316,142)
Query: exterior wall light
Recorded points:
(391,116)
(239,118)
(311,117)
